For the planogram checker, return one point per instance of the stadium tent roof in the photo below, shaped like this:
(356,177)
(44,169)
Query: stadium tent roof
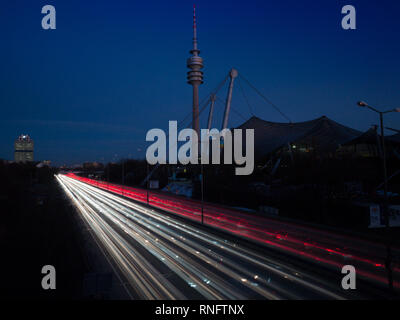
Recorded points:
(322,133)
(371,136)
(394,138)
(368,137)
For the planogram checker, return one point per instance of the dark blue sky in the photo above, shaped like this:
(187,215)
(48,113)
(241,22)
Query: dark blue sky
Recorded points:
(112,70)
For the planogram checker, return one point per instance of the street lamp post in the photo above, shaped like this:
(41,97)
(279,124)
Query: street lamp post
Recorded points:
(147,182)
(202,194)
(108,176)
(385,188)
(123,176)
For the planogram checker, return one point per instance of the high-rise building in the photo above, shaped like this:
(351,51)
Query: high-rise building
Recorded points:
(23,149)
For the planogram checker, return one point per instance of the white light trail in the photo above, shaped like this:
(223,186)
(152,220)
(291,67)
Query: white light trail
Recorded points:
(200,264)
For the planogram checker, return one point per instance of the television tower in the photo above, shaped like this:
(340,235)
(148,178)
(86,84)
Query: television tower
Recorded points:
(195,75)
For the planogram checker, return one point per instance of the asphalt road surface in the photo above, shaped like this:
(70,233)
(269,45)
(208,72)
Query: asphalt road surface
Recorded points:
(159,256)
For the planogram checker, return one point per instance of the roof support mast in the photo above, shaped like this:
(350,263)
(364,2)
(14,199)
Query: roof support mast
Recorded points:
(232,74)
(210,115)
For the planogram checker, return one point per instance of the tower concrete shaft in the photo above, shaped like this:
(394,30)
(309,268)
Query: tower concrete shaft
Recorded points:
(195,75)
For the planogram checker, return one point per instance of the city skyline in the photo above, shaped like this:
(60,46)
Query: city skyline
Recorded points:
(82,91)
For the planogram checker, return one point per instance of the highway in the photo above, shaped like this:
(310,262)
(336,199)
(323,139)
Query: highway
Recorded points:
(162,257)
(318,245)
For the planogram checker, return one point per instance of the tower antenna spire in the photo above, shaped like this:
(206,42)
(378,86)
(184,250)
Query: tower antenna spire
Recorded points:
(194,31)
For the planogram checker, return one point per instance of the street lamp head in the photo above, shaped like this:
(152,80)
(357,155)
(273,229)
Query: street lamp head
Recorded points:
(362,104)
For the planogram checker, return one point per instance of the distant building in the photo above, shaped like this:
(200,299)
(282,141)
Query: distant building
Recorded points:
(23,149)
(44,163)
(92,166)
